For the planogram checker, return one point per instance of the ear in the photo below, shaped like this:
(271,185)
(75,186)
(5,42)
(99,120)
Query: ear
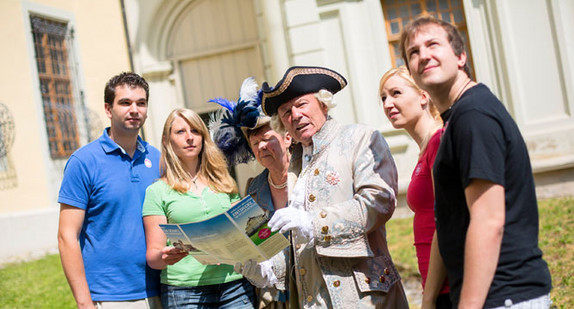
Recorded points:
(108,109)
(425,98)
(461,60)
(287,138)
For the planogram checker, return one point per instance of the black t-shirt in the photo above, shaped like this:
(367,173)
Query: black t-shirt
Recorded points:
(482,141)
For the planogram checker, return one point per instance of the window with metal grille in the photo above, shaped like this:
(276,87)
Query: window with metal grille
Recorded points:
(398,13)
(51,39)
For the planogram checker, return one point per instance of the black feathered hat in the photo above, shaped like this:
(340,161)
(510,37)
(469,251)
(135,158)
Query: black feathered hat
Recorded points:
(228,126)
(299,81)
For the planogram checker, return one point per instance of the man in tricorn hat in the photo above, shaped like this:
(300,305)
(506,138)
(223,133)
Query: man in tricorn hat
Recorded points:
(342,190)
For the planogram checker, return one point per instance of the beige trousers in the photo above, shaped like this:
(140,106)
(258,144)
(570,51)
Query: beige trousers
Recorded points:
(146,303)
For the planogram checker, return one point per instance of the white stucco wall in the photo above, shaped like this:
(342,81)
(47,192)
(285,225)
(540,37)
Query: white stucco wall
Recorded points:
(350,37)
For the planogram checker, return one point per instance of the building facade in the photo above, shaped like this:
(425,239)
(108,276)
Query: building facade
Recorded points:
(193,50)
(56,58)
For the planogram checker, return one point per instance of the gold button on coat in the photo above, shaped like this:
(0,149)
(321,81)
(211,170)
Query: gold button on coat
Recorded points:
(387,271)
(309,298)
(316,171)
(325,229)
(311,198)
(298,246)
(302,271)
(327,238)
(323,214)
(382,278)
(368,280)
(337,283)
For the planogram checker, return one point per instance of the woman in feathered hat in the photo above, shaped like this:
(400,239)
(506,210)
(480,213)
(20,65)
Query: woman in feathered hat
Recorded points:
(342,190)
(242,131)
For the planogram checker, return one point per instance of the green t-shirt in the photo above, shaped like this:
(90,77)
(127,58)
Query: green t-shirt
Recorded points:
(162,200)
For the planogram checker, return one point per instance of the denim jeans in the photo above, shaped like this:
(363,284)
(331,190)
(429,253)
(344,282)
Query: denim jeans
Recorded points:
(235,294)
(542,302)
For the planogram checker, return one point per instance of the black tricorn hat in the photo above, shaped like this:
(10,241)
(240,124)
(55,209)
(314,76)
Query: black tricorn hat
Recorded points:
(299,81)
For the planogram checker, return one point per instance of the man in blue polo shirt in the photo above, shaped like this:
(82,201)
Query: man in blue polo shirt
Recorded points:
(101,234)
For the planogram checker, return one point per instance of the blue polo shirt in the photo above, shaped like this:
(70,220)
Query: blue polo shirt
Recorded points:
(102,179)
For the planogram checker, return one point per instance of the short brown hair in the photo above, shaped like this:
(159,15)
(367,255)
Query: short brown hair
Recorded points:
(130,79)
(453,35)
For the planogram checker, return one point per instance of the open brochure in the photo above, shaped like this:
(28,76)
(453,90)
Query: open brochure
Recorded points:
(237,235)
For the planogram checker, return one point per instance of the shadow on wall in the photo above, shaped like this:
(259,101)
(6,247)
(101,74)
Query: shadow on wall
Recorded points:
(8,177)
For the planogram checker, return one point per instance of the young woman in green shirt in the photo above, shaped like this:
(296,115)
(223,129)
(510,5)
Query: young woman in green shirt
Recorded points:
(194,185)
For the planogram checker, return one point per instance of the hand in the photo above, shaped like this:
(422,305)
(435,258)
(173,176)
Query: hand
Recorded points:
(291,218)
(172,255)
(259,274)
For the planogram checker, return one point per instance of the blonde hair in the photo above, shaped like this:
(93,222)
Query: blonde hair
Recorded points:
(212,165)
(324,97)
(403,72)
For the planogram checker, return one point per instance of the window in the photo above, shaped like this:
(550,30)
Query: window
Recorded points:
(51,39)
(398,13)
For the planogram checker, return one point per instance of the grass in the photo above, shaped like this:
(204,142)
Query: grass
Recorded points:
(36,284)
(556,241)
(400,241)
(41,283)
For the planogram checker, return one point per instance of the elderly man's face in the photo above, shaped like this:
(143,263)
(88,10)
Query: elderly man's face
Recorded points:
(303,117)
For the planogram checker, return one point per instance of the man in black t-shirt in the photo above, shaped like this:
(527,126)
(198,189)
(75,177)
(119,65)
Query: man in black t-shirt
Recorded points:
(486,209)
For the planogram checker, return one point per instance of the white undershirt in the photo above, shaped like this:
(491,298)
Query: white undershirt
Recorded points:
(298,193)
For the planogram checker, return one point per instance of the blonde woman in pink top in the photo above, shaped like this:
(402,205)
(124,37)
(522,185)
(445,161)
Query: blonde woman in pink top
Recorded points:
(408,107)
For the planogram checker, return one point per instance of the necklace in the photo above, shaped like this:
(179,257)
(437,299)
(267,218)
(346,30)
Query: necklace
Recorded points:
(460,93)
(194,180)
(279,186)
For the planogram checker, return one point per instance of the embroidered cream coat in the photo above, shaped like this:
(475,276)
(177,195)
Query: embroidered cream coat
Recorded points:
(351,193)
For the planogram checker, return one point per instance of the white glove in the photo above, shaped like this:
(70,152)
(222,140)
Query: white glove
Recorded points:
(291,218)
(259,274)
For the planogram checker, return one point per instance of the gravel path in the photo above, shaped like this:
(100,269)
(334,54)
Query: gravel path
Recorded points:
(414,292)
